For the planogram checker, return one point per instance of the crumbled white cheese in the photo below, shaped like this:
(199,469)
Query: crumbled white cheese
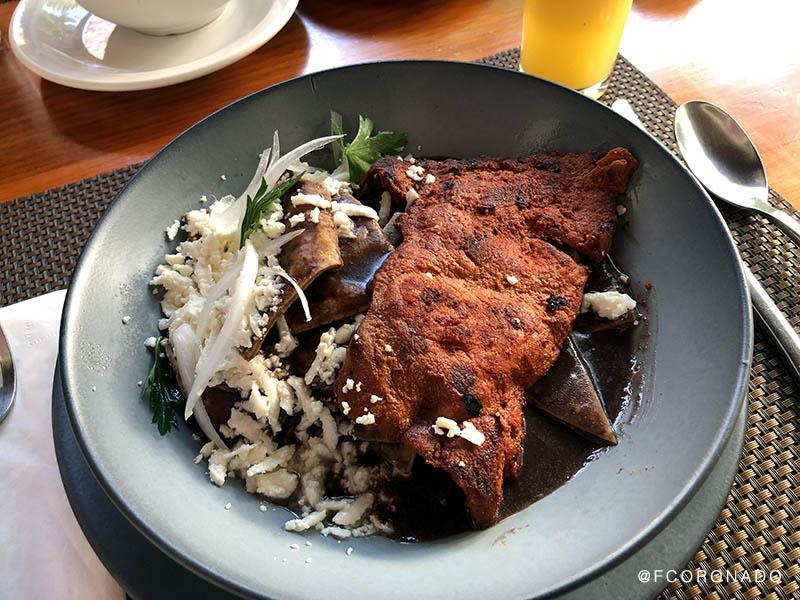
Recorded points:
(349,551)
(411,197)
(150,342)
(126,319)
(353,510)
(172,230)
(355,210)
(367,419)
(314,215)
(345,408)
(335,186)
(308,560)
(415,172)
(429,178)
(512,280)
(429,275)
(344,225)
(461,463)
(608,305)
(297,219)
(348,385)
(228,506)
(293,547)
(287,342)
(470,433)
(329,357)
(307,522)
(467,431)
(444,425)
(388,348)
(375,399)
(621,210)
(262,508)
(222,177)
(358,386)
(311,199)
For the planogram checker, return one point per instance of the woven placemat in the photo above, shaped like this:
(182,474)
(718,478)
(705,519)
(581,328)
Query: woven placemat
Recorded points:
(759,528)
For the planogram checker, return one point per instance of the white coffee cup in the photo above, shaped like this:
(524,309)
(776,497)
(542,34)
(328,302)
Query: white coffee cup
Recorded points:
(157,17)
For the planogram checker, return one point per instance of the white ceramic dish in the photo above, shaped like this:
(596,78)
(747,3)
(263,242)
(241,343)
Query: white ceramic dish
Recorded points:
(64,43)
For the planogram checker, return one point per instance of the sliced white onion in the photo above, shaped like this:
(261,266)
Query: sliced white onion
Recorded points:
(274,172)
(272,247)
(255,182)
(220,287)
(213,357)
(300,294)
(233,214)
(207,427)
(187,348)
(276,149)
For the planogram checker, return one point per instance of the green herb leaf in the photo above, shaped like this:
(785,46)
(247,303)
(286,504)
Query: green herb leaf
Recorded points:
(471,404)
(162,391)
(366,148)
(257,206)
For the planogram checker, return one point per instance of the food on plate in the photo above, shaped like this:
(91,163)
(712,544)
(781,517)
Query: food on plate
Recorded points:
(344,337)
(476,301)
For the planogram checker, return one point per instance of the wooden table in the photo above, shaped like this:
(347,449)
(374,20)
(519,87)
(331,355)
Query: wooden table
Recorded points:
(742,55)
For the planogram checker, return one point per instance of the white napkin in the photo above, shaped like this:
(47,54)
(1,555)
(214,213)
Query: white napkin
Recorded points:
(43,552)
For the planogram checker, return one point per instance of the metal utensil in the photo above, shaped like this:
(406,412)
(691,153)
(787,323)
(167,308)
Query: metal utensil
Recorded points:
(721,155)
(778,327)
(724,160)
(8,381)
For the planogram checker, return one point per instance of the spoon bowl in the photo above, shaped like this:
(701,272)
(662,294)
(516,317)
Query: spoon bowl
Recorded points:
(723,158)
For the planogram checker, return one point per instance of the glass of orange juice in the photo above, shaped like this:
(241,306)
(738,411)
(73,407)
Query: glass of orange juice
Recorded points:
(573,42)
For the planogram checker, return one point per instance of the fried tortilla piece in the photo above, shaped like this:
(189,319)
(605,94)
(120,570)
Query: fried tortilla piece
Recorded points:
(478,470)
(219,402)
(309,255)
(567,393)
(346,291)
(463,319)
(569,199)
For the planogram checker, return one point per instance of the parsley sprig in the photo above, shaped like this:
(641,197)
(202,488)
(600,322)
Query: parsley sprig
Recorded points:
(162,391)
(366,148)
(257,206)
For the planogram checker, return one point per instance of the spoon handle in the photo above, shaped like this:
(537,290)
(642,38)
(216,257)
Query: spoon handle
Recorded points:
(786,222)
(778,327)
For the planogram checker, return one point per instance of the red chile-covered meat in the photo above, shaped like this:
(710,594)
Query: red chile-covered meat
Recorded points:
(474,305)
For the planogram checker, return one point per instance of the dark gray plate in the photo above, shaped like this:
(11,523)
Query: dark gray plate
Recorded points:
(697,360)
(147,573)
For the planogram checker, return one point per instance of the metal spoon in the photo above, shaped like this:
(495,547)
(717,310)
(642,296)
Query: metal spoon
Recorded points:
(724,160)
(8,381)
(722,157)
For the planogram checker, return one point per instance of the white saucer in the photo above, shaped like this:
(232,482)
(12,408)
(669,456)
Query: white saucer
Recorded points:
(63,42)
